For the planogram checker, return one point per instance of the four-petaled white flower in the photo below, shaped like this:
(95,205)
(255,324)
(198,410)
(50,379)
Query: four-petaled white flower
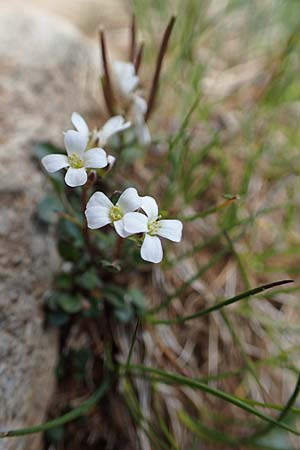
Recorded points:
(152,226)
(78,159)
(100,211)
(128,82)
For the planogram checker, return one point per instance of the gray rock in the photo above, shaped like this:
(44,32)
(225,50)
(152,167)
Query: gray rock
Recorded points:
(47,70)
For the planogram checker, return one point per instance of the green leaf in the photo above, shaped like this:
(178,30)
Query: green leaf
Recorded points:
(69,303)
(68,230)
(89,279)
(68,251)
(136,298)
(117,297)
(64,281)
(58,319)
(124,314)
(48,209)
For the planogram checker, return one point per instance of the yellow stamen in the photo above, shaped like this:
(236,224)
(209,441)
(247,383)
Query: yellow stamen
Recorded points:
(75,161)
(115,213)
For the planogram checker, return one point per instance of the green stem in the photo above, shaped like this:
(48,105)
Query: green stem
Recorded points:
(84,408)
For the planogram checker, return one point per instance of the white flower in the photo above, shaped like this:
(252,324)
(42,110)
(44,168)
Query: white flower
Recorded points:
(139,111)
(135,222)
(128,81)
(126,77)
(100,211)
(112,126)
(78,159)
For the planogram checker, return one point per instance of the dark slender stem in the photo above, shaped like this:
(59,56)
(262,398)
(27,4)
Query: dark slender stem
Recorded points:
(118,248)
(159,61)
(106,79)
(133,339)
(138,58)
(85,229)
(132,50)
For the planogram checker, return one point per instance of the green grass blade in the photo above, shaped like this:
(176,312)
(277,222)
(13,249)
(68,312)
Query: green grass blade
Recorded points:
(221,305)
(180,379)
(68,417)
(288,407)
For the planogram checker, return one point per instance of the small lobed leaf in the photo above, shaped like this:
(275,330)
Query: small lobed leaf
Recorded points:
(58,318)
(68,251)
(70,303)
(89,279)
(48,209)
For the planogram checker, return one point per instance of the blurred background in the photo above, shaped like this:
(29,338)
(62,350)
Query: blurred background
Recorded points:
(226,156)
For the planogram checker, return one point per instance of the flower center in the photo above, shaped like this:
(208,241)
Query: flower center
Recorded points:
(153,227)
(115,213)
(75,161)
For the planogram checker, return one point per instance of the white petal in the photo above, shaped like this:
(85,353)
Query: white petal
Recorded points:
(99,199)
(75,177)
(75,142)
(139,106)
(135,222)
(152,249)
(170,229)
(111,160)
(119,227)
(97,216)
(129,201)
(111,127)
(150,207)
(139,110)
(95,158)
(143,134)
(126,78)
(124,68)
(80,124)
(52,163)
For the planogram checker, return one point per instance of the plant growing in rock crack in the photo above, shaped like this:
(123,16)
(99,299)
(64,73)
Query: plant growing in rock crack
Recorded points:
(95,259)
(108,233)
